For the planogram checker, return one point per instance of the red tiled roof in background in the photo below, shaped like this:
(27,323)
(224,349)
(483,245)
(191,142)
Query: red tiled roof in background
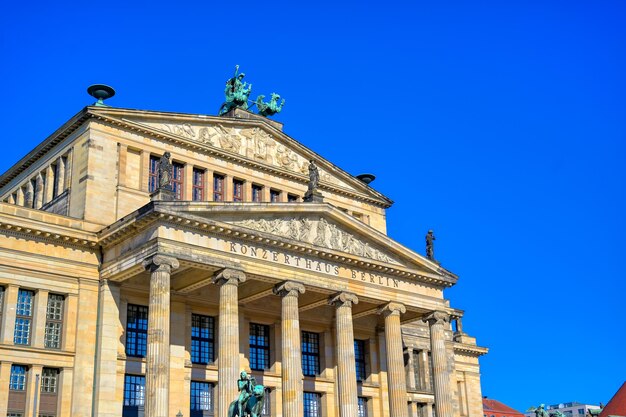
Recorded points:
(617,405)
(497,407)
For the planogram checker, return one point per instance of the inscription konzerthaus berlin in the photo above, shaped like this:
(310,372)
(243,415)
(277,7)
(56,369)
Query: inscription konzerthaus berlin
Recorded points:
(117,300)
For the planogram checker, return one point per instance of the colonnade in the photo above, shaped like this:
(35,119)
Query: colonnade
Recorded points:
(157,358)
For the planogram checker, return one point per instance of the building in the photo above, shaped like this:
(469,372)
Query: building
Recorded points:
(572,409)
(117,303)
(616,407)
(494,408)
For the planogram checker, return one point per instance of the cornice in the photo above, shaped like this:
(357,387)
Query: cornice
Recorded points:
(470,350)
(149,216)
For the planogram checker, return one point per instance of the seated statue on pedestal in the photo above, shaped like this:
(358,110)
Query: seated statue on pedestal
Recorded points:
(251,398)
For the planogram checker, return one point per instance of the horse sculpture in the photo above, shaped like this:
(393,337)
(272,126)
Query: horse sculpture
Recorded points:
(254,405)
(270,108)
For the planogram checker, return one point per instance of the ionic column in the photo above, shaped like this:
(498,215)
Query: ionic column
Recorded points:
(291,369)
(396,379)
(228,338)
(60,177)
(38,191)
(346,368)
(158,349)
(441,374)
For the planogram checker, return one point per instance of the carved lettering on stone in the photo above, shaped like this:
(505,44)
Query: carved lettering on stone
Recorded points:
(318,232)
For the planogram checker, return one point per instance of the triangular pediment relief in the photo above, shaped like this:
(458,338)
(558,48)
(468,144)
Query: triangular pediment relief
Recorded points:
(249,139)
(320,232)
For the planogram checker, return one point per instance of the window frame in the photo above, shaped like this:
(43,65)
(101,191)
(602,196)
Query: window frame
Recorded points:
(153,173)
(197,401)
(200,340)
(54,321)
(198,184)
(362,410)
(360,360)
(140,342)
(133,398)
(238,186)
(22,318)
(178,180)
(257,193)
(317,409)
(18,381)
(256,347)
(310,348)
(218,187)
(274,196)
(49,382)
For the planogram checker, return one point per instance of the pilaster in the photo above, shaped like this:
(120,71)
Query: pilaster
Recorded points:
(10,306)
(39,318)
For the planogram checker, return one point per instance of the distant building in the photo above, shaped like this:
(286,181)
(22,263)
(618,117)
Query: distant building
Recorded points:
(494,408)
(617,404)
(573,409)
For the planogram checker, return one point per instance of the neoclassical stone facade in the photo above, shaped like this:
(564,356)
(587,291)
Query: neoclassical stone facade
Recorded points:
(113,303)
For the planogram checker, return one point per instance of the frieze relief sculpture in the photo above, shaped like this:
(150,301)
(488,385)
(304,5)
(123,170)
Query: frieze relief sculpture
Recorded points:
(318,232)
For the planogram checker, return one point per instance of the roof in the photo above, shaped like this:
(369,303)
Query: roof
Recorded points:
(617,404)
(497,406)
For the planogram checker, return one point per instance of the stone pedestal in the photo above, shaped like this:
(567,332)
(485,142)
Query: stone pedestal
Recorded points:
(291,349)
(313,197)
(158,349)
(396,380)
(346,368)
(228,338)
(163,194)
(441,374)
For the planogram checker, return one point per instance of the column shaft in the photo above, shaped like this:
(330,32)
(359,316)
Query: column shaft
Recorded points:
(291,349)
(396,380)
(158,349)
(346,368)
(228,338)
(443,394)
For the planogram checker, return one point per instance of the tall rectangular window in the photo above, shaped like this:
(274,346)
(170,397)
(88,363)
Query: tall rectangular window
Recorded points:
(202,339)
(362,410)
(198,185)
(431,373)
(49,380)
(218,187)
(48,400)
(24,317)
(257,193)
(312,404)
(292,198)
(54,321)
(1,305)
(178,180)
(310,354)
(55,175)
(153,173)
(134,394)
(274,196)
(201,399)
(359,357)
(237,191)
(136,330)
(259,346)
(17,381)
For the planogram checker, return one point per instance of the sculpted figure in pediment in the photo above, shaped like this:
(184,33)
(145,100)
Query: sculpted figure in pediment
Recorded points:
(228,138)
(261,144)
(206,134)
(185,130)
(286,158)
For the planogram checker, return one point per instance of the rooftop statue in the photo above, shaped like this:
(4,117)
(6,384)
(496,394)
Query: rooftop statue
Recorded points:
(539,411)
(271,108)
(165,172)
(430,245)
(251,398)
(236,93)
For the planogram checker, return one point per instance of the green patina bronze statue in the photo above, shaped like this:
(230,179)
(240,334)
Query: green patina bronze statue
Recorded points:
(251,398)
(539,411)
(271,108)
(236,93)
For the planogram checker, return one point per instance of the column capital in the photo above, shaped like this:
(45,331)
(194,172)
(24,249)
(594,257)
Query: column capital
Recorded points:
(229,276)
(437,317)
(343,299)
(392,308)
(160,263)
(289,289)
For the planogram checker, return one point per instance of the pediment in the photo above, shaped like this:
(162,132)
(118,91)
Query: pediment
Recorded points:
(248,139)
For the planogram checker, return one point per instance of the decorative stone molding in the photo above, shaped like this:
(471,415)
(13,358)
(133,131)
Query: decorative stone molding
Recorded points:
(229,276)
(161,263)
(392,308)
(289,289)
(343,299)
(437,317)
(318,232)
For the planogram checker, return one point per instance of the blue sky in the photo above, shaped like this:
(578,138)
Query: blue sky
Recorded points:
(500,125)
